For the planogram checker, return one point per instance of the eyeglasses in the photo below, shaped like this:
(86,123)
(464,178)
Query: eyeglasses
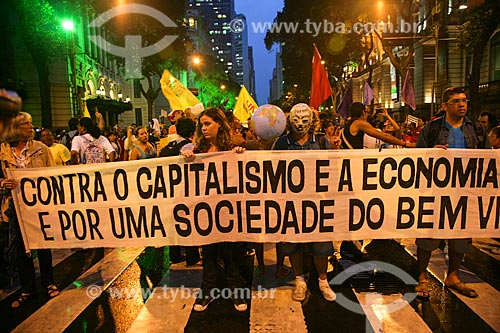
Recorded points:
(458,101)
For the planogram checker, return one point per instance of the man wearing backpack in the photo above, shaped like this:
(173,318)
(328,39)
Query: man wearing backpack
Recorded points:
(185,132)
(90,146)
(453,130)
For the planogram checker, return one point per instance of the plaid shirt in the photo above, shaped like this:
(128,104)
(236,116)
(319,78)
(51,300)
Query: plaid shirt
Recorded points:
(436,133)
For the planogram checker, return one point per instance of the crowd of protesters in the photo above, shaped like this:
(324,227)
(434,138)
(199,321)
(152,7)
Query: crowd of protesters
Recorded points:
(88,141)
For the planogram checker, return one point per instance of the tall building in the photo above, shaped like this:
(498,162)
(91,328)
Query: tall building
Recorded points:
(276,83)
(216,16)
(251,75)
(240,55)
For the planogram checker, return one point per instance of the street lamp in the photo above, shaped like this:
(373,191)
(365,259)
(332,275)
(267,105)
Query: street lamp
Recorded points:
(69,26)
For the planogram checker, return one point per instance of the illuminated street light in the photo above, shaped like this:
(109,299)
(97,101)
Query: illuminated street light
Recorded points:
(196,60)
(223,86)
(69,26)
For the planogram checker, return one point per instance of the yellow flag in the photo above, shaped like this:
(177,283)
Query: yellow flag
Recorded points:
(85,112)
(245,105)
(179,97)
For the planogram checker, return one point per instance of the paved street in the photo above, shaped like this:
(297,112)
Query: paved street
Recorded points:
(377,297)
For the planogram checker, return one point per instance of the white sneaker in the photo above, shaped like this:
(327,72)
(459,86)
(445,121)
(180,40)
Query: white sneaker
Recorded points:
(327,292)
(299,293)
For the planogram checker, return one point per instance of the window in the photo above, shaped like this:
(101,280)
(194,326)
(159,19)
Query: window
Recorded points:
(138,115)
(495,57)
(137,89)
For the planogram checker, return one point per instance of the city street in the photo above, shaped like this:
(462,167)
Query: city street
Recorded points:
(377,296)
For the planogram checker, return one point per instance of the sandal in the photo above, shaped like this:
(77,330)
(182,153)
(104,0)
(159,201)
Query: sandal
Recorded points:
(422,289)
(52,291)
(22,299)
(463,289)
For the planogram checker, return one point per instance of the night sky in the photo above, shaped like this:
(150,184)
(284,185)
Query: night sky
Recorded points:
(264,60)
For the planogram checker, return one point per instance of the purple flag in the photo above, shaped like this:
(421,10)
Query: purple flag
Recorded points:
(368,94)
(408,95)
(344,106)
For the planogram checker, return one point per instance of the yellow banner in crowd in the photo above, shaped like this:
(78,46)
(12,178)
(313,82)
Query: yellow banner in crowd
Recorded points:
(245,105)
(262,196)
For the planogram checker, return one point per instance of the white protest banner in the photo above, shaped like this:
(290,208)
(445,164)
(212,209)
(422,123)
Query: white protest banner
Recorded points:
(262,196)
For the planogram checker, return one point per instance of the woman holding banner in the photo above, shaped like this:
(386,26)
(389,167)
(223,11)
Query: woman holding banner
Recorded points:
(213,134)
(19,150)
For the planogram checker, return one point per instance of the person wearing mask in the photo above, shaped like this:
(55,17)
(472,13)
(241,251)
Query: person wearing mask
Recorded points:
(302,122)
(19,150)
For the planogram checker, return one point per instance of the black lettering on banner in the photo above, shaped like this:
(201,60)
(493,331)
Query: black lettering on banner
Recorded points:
(422,212)
(22,185)
(239,211)
(290,218)
(202,206)
(296,188)
(452,215)
(144,194)
(356,203)
(375,202)
(321,175)
(212,179)
(114,229)
(307,204)
(186,181)
(124,182)
(230,210)
(79,217)
(227,189)
(274,178)
(480,172)
(160,187)
(447,172)
(183,232)
(93,223)
(268,205)
(175,177)
(156,223)
(464,176)
(405,211)
(44,188)
(252,189)
(44,226)
(411,164)
(240,178)
(136,226)
(252,217)
(369,174)
(84,180)
(387,162)
(491,174)
(424,170)
(71,186)
(99,187)
(64,222)
(197,168)
(484,219)
(345,176)
(58,188)
(365,213)
(323,216)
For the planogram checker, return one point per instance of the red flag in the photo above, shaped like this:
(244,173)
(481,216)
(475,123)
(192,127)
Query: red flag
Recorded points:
(408,95)
(320,86)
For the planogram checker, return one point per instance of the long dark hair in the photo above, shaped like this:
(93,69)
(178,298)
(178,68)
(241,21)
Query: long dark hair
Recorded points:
(90,127)
(223,141)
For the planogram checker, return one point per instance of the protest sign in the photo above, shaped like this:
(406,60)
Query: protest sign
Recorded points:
(262,196)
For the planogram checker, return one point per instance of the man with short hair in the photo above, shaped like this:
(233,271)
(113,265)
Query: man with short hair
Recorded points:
(453,130)
(488,120)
